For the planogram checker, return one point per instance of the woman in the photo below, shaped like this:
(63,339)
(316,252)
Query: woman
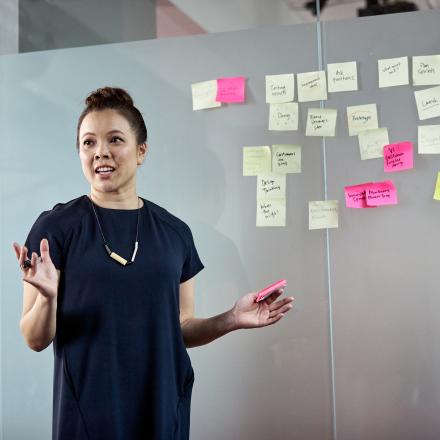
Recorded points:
(113,288)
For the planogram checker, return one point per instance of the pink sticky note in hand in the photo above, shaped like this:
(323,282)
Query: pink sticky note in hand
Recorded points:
(230,89)
(381,193)
(398,157)
(355,196)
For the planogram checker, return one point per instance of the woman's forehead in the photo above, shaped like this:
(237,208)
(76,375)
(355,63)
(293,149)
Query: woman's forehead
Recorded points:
(103,121)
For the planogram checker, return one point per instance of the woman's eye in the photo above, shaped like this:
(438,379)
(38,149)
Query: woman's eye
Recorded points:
(116,138)
(87,143)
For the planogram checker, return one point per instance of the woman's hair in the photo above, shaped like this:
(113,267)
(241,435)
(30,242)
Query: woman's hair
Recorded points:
(119,100)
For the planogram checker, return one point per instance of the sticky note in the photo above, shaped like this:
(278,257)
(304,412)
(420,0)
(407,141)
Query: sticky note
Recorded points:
(355,195)
(321,122)
(271,212)
(323,214)
(286,158)
(437,188)
(283,117)
(280,88)
(204,94)
(312,86)
(393,72)
(426,70)
(398,157)
(231,89)
(371,143)
(428,102)
(271,186)
(361,117)
(256,160)
(342,77)
(381,193)
(429,139)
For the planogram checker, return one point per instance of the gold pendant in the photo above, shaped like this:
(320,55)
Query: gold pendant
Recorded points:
(118,258)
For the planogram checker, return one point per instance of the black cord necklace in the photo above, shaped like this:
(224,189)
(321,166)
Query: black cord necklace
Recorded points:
(112,254)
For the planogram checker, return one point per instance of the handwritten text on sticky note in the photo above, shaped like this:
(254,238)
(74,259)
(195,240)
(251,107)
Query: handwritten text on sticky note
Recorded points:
(426,70)
(271,186)
(286,158)
(204,94)
(398,157)
(321,122)
(271,212)
(283,117)
(256,160)
(371,142)
(323,214)
(361,117)
(312,86)
(355,196)
(393,72)
(342,77)
(231,89)
(428,102)
(429,139)
(381,193)
(280,88)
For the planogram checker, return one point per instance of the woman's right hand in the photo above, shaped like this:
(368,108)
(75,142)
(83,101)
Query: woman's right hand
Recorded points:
(42,274)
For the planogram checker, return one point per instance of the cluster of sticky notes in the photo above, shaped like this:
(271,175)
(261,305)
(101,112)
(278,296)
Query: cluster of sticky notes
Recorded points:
(371,194)
(271,165)
(211,94)
(323,214)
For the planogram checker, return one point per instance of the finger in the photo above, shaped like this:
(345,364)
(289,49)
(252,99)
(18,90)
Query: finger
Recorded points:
(44,250)
(274,296)
(23,255)
(283,310)
(33,267)
(280,303)
(274,319)
(17,249)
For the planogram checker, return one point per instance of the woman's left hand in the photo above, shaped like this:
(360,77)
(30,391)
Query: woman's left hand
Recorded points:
(249,314)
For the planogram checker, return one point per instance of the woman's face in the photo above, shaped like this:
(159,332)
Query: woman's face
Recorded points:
(108,152)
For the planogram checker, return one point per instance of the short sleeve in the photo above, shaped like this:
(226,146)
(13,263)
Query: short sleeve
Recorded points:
(47,226)
(192,264)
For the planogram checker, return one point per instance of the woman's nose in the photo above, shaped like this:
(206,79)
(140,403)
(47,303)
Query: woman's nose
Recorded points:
(102,150)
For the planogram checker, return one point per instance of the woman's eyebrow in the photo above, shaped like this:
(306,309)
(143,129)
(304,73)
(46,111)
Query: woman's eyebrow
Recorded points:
(111,131)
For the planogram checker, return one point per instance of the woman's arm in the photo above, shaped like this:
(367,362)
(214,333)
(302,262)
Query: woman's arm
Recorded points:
(246,313)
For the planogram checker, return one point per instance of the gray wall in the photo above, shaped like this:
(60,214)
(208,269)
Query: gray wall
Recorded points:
(376,307)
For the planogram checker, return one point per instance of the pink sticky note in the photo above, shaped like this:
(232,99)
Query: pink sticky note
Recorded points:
(381,193)
(355,196)
(398,157)
(230,89)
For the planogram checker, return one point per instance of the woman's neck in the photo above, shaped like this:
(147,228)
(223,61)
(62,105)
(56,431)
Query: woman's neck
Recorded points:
(116,201)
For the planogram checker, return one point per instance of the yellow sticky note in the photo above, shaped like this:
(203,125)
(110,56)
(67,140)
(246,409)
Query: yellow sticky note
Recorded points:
(256,160)
(426,70)
(323,214)
(429,139)
(204,94)
(321,122)
(342,77)
(361,117)
(371,143)
(271,186)
(283,117)
(437,188)
(312,86)
(286,158)
(393,72)
(271,212)
(428,102)
(280,88)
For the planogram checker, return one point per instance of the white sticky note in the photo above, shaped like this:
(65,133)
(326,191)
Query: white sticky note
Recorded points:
(361,117)
(429,139)
(371,143)
(428,102)
(271,212)
(393,72)
(204,94)
(323,214)
(286,158)
(256,160)
(321,122)
(342,77)
(312,86)
(283,117)
(271,186)
(280,88)
(426,70)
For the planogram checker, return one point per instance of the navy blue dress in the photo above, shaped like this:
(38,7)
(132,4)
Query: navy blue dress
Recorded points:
(121,369)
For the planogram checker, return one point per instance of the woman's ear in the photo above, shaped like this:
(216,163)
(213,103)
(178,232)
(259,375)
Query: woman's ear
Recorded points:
(142,153)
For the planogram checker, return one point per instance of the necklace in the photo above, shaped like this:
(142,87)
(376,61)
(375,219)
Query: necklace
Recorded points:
(112,254)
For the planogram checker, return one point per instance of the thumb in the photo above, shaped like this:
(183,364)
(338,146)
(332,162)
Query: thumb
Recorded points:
(44,250)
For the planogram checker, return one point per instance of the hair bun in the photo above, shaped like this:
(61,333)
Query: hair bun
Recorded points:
(108,96)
